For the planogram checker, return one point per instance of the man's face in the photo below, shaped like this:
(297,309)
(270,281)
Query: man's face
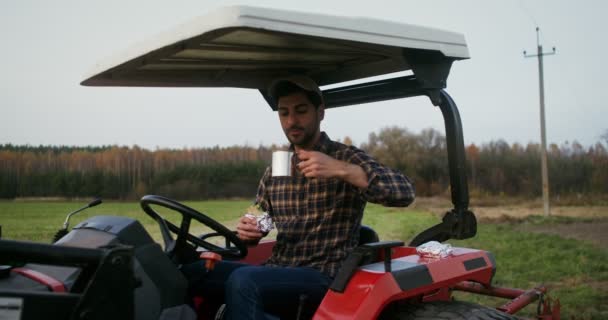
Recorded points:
(300,119)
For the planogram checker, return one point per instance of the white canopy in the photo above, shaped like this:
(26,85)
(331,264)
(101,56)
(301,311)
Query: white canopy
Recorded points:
(247,47)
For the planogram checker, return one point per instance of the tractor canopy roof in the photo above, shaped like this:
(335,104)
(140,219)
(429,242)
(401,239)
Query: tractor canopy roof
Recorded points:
(247,47)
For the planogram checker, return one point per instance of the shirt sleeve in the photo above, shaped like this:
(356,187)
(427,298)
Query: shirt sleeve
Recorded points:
(387,186)
(262,199)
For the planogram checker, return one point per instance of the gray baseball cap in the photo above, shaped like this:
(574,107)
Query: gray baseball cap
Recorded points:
(301,81)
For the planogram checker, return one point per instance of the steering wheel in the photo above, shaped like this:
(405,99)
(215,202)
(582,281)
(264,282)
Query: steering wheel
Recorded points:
(179,247)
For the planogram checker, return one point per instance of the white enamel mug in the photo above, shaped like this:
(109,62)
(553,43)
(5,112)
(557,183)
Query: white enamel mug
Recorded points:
(281,163)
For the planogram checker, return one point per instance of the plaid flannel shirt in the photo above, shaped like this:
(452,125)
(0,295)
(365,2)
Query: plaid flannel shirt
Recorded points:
(318,220)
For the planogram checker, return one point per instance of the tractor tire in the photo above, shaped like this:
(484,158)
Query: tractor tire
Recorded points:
(443,310)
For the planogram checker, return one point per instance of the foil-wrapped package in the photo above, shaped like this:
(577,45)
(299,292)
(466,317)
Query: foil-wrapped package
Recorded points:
(434,249)
(264,221)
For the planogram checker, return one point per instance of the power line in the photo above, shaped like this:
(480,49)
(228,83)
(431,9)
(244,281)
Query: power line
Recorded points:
(543,135)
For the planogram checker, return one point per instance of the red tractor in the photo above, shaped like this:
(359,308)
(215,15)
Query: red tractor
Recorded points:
(109,267)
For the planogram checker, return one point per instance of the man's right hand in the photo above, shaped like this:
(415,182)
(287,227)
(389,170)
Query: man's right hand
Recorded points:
(247,230)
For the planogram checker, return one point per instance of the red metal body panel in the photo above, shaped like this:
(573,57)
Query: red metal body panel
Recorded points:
(52,283)
(443,294)
(369,291)
(363,298)
(399,252)
(259,253)
(452,269)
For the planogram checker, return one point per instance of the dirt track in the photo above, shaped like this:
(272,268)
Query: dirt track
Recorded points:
(594,232)
(593,227)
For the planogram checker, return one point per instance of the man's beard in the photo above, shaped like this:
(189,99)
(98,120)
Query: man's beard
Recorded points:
(306,139)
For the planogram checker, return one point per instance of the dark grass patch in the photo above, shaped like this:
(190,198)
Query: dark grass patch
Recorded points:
(38,221)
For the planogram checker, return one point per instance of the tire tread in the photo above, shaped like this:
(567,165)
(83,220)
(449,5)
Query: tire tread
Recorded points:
(444,310)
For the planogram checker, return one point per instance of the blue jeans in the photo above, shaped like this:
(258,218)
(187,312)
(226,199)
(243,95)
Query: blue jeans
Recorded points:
(260,292)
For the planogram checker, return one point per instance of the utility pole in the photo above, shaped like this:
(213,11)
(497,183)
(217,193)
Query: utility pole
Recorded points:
(543,135)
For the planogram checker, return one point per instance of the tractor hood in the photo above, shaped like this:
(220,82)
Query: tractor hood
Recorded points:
(247,47)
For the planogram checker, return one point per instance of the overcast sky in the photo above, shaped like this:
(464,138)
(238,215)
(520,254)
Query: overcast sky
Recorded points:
(48,47)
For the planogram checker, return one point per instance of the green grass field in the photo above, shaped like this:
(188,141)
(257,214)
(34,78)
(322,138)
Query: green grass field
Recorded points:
(575,271)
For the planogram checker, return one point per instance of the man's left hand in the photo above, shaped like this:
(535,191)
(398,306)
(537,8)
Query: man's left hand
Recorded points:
(314,164)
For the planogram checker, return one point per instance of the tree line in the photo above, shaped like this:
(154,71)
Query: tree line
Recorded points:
(115,172)
(129,172)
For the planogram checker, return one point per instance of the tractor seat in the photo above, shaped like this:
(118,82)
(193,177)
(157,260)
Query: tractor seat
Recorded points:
(367,235)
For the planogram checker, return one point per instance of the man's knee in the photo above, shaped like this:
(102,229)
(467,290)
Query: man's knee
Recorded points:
(241,281)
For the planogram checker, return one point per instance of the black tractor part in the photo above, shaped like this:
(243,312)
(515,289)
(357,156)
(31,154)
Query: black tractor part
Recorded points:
(159,284)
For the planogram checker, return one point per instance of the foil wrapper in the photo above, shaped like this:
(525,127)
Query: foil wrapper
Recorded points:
(434,249)
(264,221)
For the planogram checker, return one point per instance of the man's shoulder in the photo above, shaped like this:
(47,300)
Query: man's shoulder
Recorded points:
(338,149)
(344,151)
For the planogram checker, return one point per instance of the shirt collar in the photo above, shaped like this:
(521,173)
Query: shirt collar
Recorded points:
(324,144)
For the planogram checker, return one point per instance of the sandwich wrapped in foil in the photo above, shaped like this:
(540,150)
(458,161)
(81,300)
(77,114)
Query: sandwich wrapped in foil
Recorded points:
(264,221)
(434,249)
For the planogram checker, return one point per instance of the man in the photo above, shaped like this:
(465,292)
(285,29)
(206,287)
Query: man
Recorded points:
(317,212)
